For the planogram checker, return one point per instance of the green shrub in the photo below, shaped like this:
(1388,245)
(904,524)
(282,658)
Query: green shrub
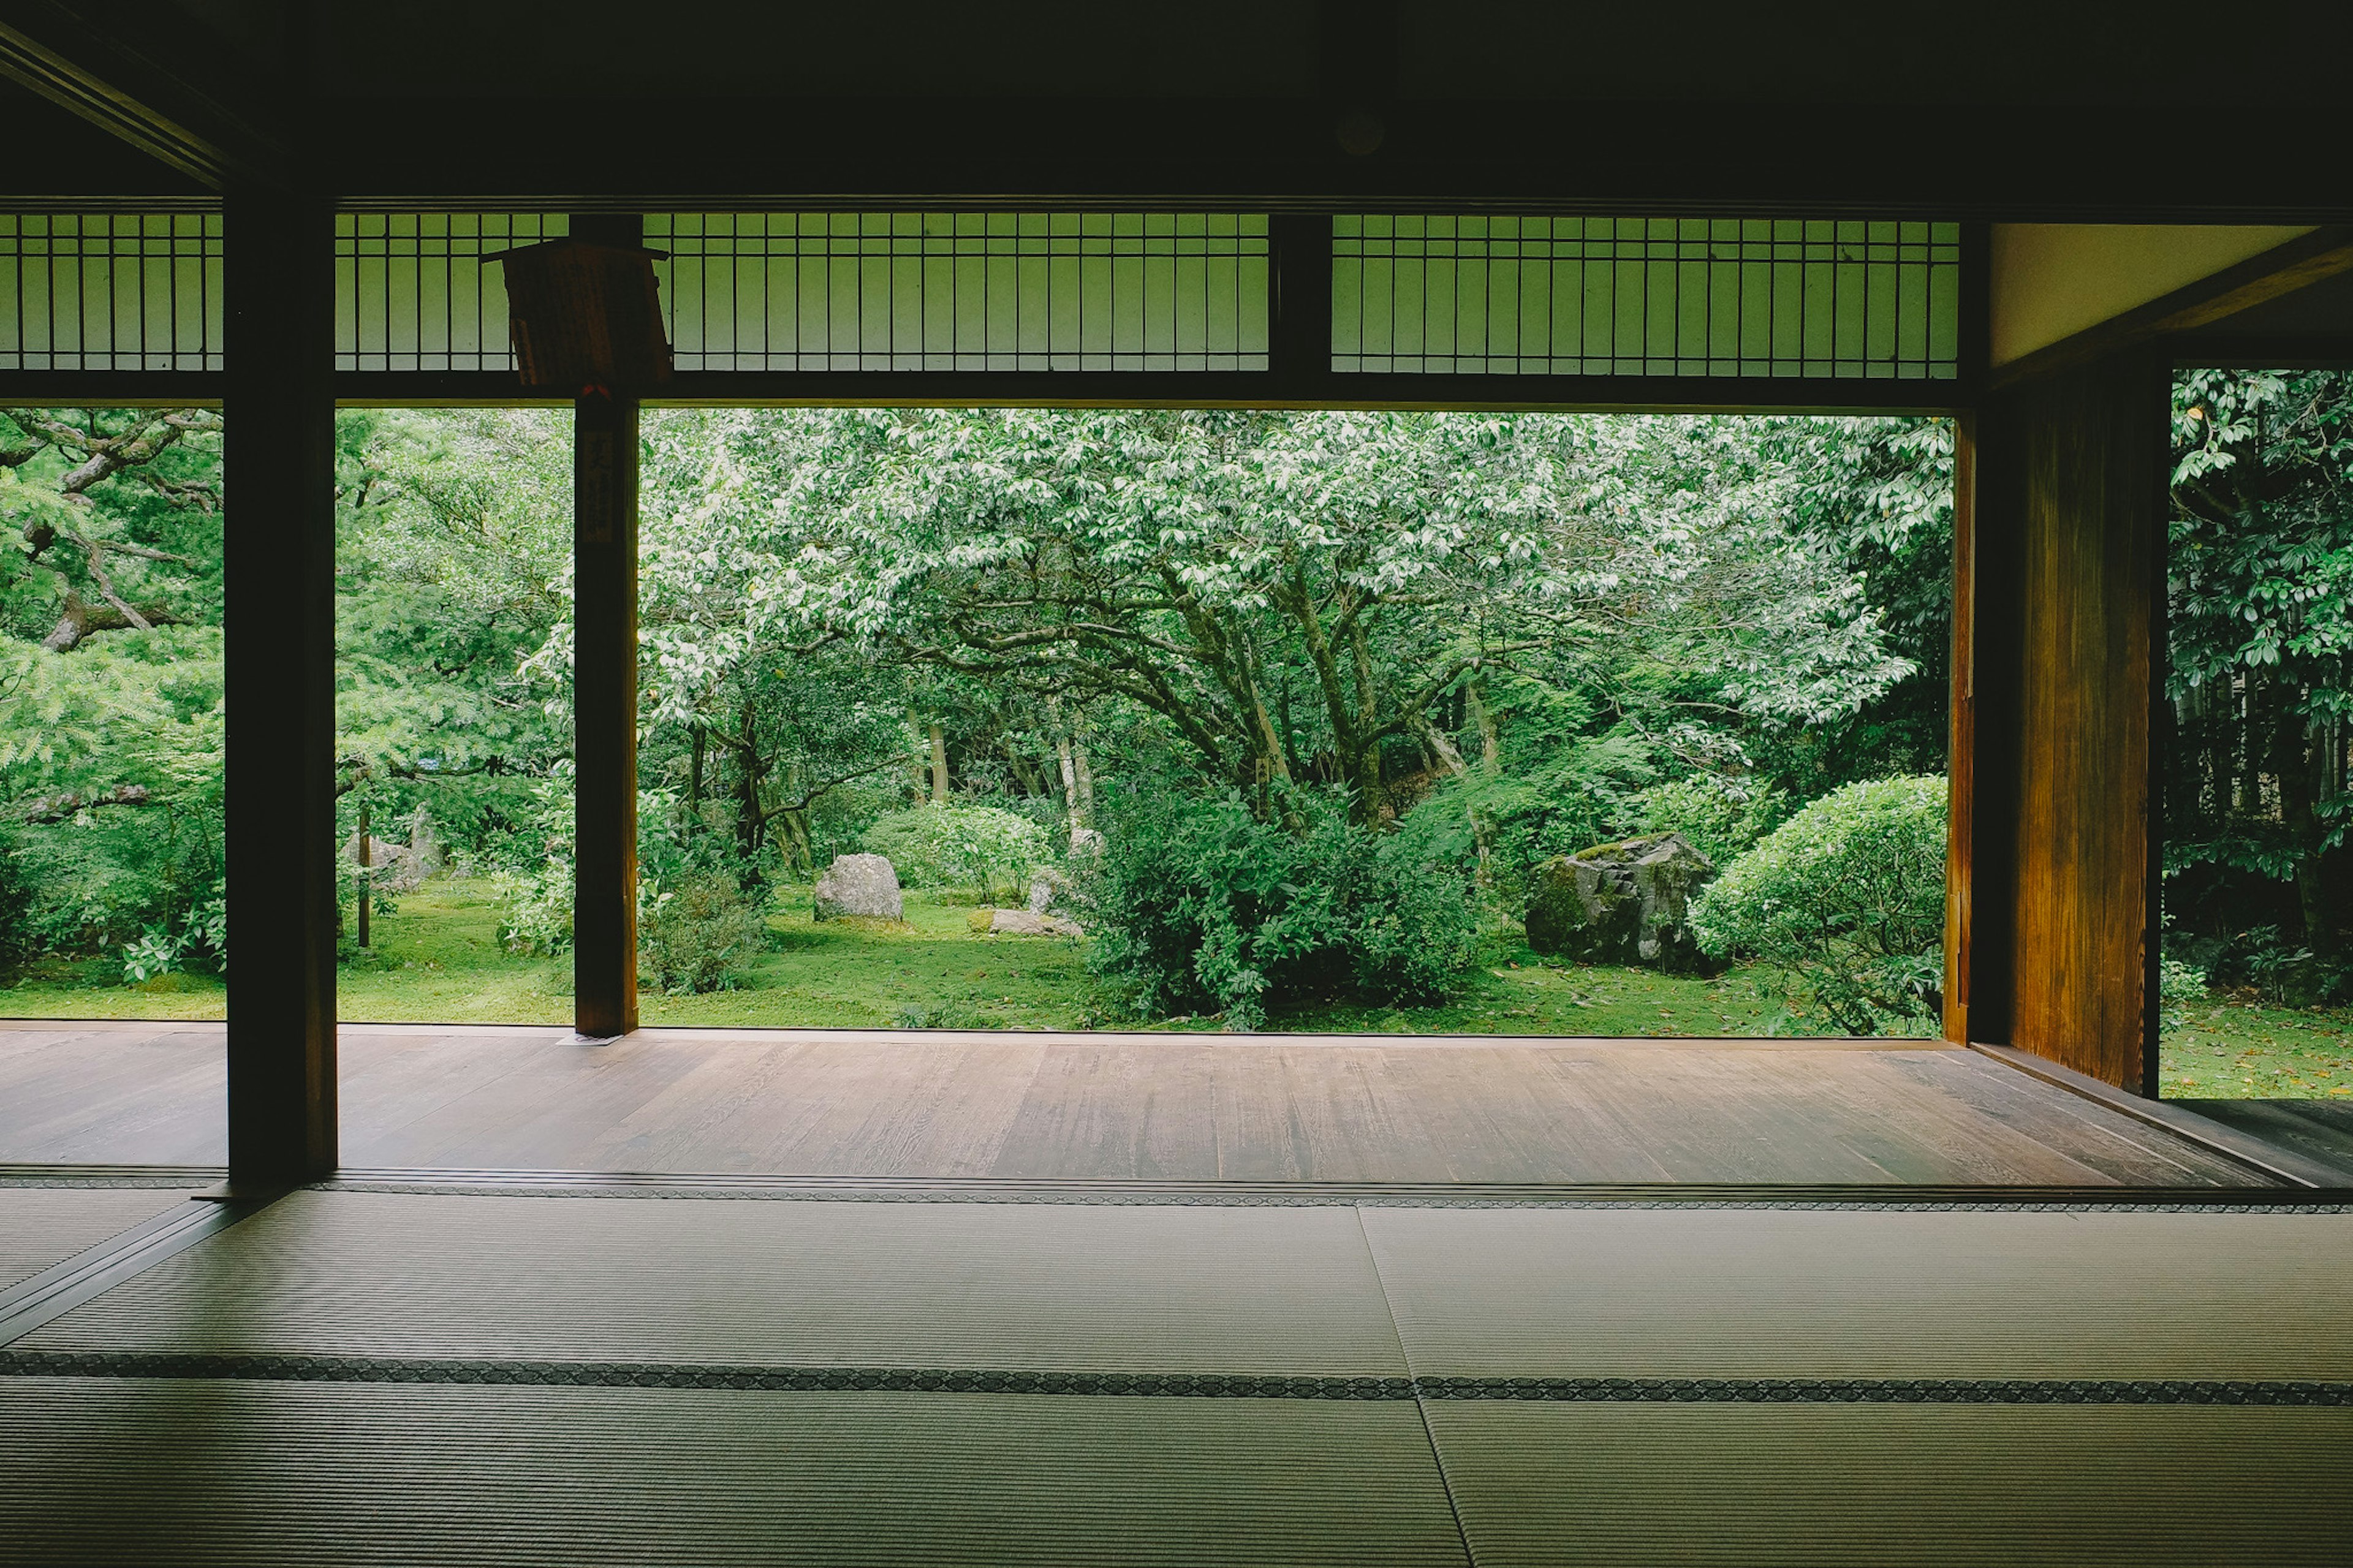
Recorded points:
(700,933)
(1200,905)
(1845,903)
(2178,984)
(976,847)
(1720,818)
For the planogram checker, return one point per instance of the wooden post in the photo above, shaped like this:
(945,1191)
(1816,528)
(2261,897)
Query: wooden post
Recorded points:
(605,691)
(605,715)
(280,634)
(1299,347)
(2055,794)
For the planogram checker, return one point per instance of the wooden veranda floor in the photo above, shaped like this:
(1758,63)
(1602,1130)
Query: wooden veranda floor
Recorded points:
(1115,1108)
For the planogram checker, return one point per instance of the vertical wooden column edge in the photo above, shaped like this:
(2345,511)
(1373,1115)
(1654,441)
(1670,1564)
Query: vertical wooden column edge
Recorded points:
(279,636)
(1960,817)
(2159,367)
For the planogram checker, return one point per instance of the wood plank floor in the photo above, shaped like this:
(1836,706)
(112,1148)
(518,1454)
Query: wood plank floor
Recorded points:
(2319,1130)
(1111,1107)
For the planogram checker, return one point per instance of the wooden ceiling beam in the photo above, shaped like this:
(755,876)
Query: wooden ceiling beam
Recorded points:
(150,75)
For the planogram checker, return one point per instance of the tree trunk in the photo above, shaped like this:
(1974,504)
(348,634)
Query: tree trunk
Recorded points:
(1063,755)
(78,617)
(939,764)
(747,788)
(366,859)
(1490,745)
(695,780)
(2299,779)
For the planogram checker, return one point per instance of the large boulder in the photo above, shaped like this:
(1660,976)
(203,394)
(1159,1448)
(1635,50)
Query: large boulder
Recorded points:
(864,884)
(1622,903)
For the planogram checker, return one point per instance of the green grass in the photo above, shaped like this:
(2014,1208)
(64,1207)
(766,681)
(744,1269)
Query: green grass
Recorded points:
(438,961)
(2238,1048)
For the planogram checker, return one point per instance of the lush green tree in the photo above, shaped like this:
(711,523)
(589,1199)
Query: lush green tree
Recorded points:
(110,722)
(2259,625)
(1295,596)
(453,548)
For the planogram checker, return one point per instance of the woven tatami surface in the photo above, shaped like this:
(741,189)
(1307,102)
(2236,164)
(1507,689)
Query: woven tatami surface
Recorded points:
(1324,1291)
(1749,1485)
(227,1472)
(1218,1290)
(360,1377)
(1868,1292)
(44,1225)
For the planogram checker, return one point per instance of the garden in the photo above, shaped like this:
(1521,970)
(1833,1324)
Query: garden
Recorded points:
(1180,720)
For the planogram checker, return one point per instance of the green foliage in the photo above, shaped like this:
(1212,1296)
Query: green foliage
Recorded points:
(953,845)
(1846,900)
(453,546)
(2178,985)
(700,933)
(1480,639)
(537,893)
(1720,817)
(110,758)
(2260,663)
(1203,905)
(2178,982)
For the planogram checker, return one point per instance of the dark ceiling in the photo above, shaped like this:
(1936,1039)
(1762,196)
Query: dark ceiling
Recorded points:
(1996,109)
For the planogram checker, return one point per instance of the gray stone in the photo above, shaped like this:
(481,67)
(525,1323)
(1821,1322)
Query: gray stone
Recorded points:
(1030,922)
(1086,842)
(425,844)
(392,868)
(865,885)
(1622,903)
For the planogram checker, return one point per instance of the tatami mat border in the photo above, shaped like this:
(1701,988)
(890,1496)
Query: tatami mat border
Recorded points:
(2094,1200)
(1186,1386)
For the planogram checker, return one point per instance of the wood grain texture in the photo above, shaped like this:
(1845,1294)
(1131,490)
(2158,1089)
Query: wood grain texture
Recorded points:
(2054,787)
(1115,1108)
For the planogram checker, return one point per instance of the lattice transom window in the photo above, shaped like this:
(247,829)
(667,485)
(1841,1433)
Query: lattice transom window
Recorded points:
(111,292)
(965,291)
(1822,299)
(412,294)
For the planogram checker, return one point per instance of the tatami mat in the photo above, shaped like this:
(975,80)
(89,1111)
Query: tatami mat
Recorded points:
(44,1225)
(122,1472)
(1878,1293)
(1752,1485)
(1071,1288)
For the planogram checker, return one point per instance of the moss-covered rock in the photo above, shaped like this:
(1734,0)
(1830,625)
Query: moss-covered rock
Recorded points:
(1622,903)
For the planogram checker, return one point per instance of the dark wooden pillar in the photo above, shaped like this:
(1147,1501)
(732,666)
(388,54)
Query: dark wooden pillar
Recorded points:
(2056,674)
(279,582)
(1299,339)
(604,714)
(605,692)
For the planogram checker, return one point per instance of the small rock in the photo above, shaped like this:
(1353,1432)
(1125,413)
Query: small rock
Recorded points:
(1085,842)
(865,885)
(1030,922)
